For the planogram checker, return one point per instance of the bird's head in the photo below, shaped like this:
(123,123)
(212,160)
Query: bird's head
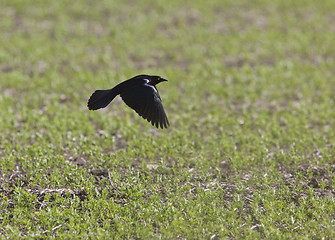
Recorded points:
(156,79)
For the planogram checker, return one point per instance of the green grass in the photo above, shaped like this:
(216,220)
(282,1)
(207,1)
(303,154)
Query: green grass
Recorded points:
(250,99)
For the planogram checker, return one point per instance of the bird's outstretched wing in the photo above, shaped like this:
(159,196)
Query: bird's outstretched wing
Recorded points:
(146,102)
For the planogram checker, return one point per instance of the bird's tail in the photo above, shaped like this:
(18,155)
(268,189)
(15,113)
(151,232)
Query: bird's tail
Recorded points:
(101,98)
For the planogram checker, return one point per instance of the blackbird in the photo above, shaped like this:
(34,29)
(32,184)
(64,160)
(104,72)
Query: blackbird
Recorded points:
(139,93)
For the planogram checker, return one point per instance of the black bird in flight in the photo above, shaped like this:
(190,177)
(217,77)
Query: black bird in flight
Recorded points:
(139,93)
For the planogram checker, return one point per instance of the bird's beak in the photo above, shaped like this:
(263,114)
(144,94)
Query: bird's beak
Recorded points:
(163,80)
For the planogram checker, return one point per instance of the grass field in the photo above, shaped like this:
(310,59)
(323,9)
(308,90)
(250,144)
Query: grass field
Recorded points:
(250,99)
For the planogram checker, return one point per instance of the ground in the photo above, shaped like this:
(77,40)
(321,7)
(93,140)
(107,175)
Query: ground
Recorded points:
(250,100)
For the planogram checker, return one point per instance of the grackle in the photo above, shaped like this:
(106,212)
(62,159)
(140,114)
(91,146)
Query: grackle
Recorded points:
(139,93)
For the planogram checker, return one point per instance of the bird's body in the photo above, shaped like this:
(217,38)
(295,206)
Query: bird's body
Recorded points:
(139,93)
